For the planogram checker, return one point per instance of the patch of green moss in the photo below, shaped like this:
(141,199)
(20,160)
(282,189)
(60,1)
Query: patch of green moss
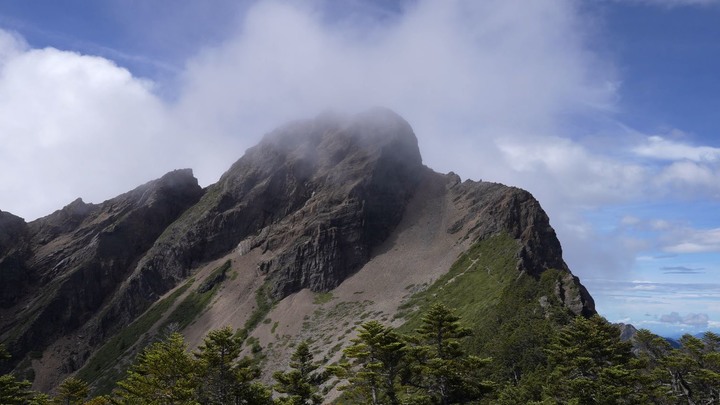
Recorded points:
(322,298)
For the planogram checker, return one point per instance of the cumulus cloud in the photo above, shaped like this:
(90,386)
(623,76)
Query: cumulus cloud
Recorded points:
(698,320)
(473,72)
(73,125)
(11,44)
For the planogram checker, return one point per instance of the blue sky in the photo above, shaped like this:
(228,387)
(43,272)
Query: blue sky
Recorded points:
(606,110)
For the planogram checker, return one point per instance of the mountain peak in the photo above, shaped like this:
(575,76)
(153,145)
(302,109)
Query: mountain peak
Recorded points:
(336,203)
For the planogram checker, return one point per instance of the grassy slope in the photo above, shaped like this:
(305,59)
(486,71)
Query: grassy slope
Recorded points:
(501,305)
(100,369)
(483,286)
(474,283)
(110,362)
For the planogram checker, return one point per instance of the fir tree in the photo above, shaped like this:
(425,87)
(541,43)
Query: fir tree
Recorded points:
(72,391)
(164,373)
(301,385)
(223,378)
(377,360)
(695,369)
(441,369)
(12,390)
(590,365)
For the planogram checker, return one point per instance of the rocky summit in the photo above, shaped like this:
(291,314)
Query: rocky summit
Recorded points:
(324,223)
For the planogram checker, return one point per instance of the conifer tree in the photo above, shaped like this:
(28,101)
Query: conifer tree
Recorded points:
(164,373)
(72,391)
(40,398)
(301,385)
(441,368)
(12,390)
(217,357)
(695,369)
(377,361)
(651,358)
(102,400)
(223,378)
(590,364)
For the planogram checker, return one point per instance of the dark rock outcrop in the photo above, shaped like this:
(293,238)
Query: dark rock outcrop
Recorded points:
(14,276)
(73,260)
(316,195)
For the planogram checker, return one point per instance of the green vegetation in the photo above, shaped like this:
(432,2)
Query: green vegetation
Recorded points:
(107,356)
(164,373)
(376,360)
(72,391)
(520,345)
(195,303)
(504,308)
(264,304)
(322,298)
(225,379)
(301,384)
(585,362)
(475,282)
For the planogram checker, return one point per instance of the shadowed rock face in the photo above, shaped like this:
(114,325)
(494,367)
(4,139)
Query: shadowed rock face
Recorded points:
(315,197)
(71,261)
(14,276)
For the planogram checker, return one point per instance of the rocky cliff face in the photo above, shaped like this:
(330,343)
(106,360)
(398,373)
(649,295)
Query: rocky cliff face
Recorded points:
(493,208)
(312,204)
(60,270)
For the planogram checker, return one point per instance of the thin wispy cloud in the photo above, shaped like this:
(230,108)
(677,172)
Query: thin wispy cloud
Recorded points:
(682,270)
(657,147)
(696,241)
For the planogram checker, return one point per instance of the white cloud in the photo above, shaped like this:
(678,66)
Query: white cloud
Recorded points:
(695,241)
(629,220)
(465,71)
(657,147)
(73,125)
(11,45)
